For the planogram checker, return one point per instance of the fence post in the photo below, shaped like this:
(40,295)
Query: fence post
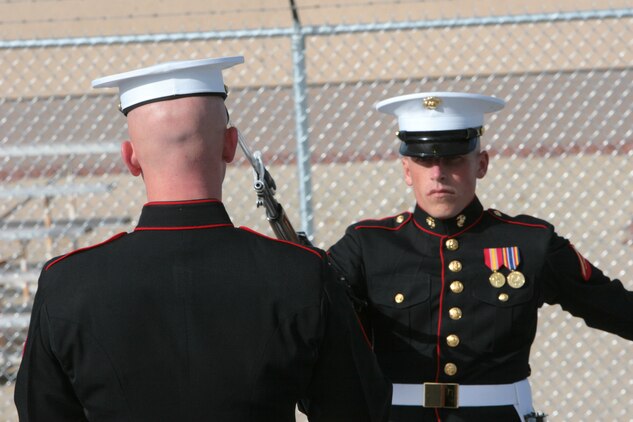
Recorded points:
(299,86)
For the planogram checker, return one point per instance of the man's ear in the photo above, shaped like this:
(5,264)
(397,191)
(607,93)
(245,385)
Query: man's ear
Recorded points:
(129,158)
(230,144)
(407,171)
(482,168)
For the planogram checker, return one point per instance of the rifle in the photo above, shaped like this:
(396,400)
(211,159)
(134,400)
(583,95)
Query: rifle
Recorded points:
(265,187)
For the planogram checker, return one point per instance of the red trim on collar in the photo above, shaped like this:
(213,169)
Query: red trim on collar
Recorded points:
(398,227)
(452,235)
(426,230)
(115,237)
(280,240)
(183,202)
(161,228)
(540,226)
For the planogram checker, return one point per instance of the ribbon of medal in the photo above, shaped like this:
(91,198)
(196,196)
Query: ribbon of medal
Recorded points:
(511,260)
(494,259)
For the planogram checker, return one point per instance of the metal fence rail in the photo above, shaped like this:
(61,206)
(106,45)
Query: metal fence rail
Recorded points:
(561,149)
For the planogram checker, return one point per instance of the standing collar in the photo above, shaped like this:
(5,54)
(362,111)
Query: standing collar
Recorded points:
(450,226)
(174,215)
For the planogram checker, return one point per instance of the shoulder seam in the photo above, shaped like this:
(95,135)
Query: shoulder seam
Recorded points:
(287,242)
(398,227)
(76,251)
(517,223)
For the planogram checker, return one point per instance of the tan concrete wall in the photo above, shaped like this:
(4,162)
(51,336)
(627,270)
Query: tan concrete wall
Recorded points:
(26,19)
(544,47)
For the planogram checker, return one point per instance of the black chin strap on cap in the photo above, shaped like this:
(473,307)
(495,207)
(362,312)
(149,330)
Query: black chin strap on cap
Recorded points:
(173,97)
(439,143)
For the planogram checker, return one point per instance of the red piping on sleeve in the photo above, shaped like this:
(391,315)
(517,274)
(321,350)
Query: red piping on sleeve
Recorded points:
(362,329)
(585,267)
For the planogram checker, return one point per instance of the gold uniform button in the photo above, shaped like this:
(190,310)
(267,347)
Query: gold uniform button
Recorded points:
(452,244)
(497,213)
(457,287)
(400,219)
(452,340)
(455,313)
(455,266)
(450,369)
(503,297)
(399,298)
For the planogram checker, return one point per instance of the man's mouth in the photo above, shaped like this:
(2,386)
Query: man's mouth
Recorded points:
(441,192)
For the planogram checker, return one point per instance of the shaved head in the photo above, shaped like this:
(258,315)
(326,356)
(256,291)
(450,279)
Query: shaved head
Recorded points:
(180,141)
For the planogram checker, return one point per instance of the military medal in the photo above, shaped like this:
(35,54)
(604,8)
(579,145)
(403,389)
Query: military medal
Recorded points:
(516,279)
(497,279)
(494,258)
(511,260)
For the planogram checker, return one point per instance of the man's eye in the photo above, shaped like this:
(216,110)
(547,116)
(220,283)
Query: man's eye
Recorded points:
(451,161)
(423,161)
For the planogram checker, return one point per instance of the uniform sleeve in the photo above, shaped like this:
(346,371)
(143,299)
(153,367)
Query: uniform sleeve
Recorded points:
(43,391)
(584,291)
(347,260)
(347,384)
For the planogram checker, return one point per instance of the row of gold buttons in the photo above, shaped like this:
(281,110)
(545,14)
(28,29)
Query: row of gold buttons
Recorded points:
(455,313)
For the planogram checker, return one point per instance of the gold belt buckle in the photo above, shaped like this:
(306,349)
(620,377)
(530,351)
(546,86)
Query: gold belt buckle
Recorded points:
(442,395)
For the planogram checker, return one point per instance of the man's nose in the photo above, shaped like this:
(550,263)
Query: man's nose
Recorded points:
(436,170)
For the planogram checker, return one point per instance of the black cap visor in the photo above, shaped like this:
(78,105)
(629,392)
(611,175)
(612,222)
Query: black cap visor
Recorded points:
(439,143)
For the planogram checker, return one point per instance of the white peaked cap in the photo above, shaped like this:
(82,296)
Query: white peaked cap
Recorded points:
(440,111)
(169,80)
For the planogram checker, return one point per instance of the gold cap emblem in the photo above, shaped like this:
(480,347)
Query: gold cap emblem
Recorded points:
(431,103)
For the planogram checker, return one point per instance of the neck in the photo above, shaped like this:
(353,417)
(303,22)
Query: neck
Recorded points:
(181,189)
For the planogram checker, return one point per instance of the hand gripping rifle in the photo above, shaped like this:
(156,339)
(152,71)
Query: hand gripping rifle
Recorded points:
(265,187)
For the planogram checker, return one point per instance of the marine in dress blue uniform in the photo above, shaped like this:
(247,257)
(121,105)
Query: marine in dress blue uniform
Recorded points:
(451,298)
(189,318)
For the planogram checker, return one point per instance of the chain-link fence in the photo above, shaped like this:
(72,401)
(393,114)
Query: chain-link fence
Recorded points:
(562,148)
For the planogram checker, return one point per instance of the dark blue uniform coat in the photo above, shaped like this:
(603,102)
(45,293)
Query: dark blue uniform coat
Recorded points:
(191,319)
(425,279)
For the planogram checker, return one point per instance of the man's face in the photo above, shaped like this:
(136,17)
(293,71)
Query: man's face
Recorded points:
(444,186)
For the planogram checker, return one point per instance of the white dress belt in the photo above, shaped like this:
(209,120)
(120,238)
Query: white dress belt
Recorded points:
(517,394)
